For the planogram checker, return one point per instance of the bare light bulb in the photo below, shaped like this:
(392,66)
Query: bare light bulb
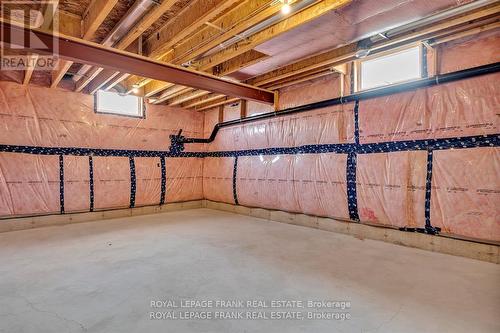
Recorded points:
(135,90)
(285,9)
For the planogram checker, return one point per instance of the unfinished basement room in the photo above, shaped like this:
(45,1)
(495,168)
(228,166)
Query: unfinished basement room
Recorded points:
(243,166)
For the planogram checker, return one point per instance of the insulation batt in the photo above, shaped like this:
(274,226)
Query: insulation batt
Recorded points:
(37,116)
(390,187)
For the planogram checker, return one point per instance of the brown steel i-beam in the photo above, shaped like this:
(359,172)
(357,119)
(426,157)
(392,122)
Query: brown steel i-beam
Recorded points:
(81,51)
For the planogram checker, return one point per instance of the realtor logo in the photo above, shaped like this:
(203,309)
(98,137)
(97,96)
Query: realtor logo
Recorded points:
(20,53)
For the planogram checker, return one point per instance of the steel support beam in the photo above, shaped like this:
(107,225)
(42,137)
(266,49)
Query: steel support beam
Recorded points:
(80,51)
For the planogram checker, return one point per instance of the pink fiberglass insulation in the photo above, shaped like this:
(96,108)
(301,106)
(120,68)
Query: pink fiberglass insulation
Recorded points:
(148,181)
(218,179)
(111,182)
(255,108)
(466,192)
(232,111)
(211,118)
(42,117)
(471,51)
(184,179)
(462,108)
(312,183)
(76,183)
(326,87)
(38,116)
(333,124)
(29,184)
(270,180)
(391,188)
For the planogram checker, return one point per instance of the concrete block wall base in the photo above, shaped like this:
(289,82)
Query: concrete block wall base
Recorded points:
(21,223)
(457,247)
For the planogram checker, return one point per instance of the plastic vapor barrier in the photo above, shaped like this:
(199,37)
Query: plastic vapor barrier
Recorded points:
(37,183)
(218,179)
(426,159)
(312,184)
(184,179)
(334,124)
(388,182)
(29,184)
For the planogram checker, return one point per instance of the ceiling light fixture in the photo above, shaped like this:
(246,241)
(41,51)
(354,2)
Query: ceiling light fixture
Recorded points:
(285,9)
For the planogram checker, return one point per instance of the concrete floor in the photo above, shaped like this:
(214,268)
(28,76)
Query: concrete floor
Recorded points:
(102,276)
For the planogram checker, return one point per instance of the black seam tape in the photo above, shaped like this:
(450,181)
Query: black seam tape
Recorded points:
(491,140)
(163,180)
(61,183)
(352,199)
(235,168)
(133,182)
(91,183)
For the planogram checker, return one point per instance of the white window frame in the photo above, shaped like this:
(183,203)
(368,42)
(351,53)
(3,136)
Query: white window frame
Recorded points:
(357,66)
(140,106)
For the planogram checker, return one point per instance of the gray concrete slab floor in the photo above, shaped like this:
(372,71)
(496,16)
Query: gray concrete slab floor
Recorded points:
(102,277)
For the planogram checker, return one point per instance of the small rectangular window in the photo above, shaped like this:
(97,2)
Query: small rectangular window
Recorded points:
(114,103)
(389,69)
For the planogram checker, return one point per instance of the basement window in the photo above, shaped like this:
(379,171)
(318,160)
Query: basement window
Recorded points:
(390,68)
(119,104)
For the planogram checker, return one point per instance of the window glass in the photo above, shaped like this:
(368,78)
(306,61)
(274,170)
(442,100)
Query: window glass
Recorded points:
(389,69)
(114,103)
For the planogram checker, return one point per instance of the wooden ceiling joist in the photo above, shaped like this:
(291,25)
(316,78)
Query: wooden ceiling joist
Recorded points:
(219,102)
(155,87)
(93,18)
(171,93)
(114,81)
(151,16)
(100,80)
(48,15)
(187,97)
(239,48)
(78,50)
(187,22)
(31,68)
(235,21)
(203,100)
(348,52)
(479,20)
(304,16)
(220,30)
(243,60)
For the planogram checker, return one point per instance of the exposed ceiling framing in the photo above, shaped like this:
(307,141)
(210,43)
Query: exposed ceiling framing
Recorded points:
(187,46)
(77,50)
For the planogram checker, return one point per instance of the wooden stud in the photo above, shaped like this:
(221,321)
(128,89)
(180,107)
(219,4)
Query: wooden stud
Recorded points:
(31,68)
(243,108)
(221,113)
